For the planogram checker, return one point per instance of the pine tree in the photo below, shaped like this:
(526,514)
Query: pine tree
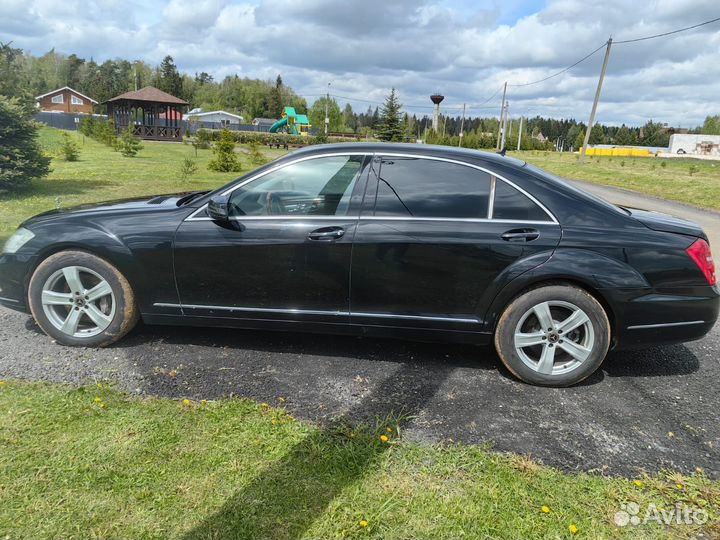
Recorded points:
(225,160)
(128,143)
(597,135)
(390,124)
(21,158)
(169,79)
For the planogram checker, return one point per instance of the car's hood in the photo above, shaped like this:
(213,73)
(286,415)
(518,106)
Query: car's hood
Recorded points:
(133,204)
(666,223)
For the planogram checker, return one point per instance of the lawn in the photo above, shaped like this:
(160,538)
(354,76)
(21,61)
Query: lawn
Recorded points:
(102,174)
(96,463)
(665,178)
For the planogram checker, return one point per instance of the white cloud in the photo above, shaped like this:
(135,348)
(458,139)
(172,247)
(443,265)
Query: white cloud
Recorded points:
(465,49)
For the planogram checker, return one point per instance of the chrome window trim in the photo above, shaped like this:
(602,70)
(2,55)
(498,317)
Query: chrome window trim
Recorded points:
(228,191)
(491,201)
(291,311)
(663,325)
(494,177)
(553,219)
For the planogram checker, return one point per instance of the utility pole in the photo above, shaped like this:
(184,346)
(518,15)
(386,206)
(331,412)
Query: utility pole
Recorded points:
(327,103)
(520,132)
(595,103)
(502,110)
(462,125)
(504,126)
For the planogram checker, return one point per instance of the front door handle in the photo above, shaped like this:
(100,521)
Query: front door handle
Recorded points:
(326,234)
(520,235)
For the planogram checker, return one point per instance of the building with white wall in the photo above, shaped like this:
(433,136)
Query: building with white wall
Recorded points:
(695,145)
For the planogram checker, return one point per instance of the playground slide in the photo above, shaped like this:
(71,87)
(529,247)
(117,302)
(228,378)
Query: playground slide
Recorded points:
(280,123)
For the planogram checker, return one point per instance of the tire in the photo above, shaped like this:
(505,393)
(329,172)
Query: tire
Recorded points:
(569,347)
(81,300)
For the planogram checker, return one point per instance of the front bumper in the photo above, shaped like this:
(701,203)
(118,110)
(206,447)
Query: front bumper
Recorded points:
(15,271)
(664,316)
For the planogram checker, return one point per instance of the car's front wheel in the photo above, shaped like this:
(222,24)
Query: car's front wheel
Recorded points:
(554,335)
(81,300)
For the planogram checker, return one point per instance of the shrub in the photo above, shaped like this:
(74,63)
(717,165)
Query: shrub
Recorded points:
(128,144)
(692,169)
(202,139)
(21,157)
(663,164)
(622,163)
(68,148)
(87,125)
(188,167)
(225,160)
(256,156)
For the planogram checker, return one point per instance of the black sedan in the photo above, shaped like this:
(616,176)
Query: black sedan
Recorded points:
(420,242)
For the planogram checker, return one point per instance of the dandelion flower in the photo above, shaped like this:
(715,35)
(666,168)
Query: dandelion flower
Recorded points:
(102,405)
(573,529)
(281,399)
(99,385)
(545,509)
(265,405)
(638,483)
(203,402)
(2,383)
(186,402)
(389,430)
(289,418)
(384,438)
(679,486)
(98,399)
(364,523)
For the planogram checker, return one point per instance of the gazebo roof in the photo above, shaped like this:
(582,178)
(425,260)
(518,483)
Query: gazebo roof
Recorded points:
(150,94)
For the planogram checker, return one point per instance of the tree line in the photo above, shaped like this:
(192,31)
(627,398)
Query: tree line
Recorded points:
(24,76)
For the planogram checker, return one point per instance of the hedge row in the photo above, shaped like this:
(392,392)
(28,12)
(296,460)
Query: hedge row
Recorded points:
(259,137)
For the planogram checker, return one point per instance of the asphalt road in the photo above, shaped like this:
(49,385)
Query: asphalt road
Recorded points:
(643,410)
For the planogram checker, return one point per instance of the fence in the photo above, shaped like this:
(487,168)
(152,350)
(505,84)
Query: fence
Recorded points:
(68,121)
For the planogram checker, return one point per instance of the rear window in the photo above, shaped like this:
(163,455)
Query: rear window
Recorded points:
(511,203)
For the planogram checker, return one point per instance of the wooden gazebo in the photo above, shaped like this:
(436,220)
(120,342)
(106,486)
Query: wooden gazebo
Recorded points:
(155,115)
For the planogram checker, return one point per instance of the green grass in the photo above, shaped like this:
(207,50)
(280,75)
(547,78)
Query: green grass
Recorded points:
(96,463)
(102,174)
(645,175)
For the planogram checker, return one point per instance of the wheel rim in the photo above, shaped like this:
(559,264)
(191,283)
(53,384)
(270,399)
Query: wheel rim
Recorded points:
(555,337)
(78,301)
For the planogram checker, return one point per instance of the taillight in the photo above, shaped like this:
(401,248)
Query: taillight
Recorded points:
(701,254)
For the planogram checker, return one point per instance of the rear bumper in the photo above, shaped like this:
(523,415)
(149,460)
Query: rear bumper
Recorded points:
(660,317)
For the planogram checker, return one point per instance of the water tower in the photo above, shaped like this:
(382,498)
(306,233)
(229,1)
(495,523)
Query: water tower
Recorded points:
(436,98)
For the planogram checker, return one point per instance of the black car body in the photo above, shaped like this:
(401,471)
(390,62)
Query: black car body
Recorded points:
(417,250)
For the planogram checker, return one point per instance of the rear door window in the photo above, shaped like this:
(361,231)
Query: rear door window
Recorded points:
(426,188)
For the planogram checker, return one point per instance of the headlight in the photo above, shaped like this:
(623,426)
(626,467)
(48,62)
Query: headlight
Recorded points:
(18,240)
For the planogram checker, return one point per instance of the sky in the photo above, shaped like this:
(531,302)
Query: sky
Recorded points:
(464,49)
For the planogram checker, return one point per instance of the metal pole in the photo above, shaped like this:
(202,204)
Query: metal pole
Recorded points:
(502,111)
(327,103)
(520,132)
(595,103)
(462,125)
(504,127)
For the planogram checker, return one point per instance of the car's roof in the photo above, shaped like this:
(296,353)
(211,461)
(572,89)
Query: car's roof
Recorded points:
(409,148)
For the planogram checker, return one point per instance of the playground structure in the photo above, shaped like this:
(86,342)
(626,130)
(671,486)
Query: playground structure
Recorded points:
(296,124)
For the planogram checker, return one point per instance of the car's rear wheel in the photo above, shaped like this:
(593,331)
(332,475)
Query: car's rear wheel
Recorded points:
(554,335)
(81,300)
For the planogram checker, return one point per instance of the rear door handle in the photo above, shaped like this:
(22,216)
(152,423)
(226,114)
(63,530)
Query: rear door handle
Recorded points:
(326,234)
(521,235)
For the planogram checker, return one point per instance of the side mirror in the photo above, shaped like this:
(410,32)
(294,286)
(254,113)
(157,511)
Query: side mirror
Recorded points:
(217,208)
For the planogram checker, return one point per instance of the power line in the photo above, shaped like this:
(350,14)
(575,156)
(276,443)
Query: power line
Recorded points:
(668,33)
(562,71)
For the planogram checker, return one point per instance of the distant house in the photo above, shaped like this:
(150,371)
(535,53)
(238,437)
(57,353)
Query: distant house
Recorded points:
(222,118)
(65,100)
(264,122)
(694,145)
(540,137)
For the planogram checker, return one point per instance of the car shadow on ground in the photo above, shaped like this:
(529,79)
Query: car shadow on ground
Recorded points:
(284,500)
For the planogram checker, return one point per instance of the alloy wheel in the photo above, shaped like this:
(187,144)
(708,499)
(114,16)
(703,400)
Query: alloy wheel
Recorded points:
(78,301)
